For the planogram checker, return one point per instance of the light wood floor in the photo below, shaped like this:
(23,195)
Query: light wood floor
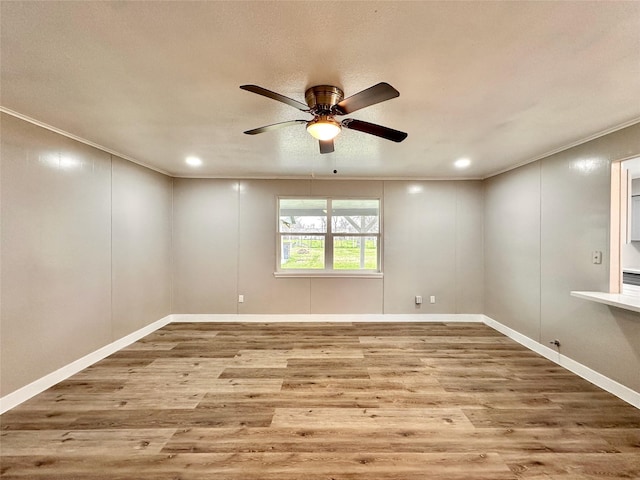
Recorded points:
(322,401)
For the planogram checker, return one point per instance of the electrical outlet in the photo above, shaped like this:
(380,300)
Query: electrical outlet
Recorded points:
(596,257)
(432,299)
(240,298)
(418,299)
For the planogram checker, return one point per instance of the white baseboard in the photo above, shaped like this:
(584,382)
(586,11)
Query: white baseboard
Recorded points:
(25,393)
(598,379)
(34,388)
(306,318)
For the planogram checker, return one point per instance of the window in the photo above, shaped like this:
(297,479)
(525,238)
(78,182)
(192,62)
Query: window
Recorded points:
(329,235)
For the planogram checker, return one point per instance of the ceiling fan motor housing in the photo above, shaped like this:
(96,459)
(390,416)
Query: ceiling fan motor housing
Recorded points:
(322,97)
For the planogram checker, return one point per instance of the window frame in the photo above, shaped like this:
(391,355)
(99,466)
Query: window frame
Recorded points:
(328,270)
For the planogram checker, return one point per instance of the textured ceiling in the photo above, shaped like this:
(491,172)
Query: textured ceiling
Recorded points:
(501,83)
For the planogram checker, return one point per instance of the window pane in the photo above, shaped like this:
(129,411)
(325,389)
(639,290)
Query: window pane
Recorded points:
(355,253)
(302,252)
(355,216)
(303,215)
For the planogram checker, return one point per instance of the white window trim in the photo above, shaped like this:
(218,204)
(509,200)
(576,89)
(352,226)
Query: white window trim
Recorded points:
(329,272)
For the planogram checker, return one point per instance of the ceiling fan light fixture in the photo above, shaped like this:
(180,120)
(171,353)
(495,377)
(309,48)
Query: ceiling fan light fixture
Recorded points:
(323,128)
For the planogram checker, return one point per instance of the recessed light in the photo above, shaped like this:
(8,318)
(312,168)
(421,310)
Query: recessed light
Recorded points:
(462,163)
(193,161)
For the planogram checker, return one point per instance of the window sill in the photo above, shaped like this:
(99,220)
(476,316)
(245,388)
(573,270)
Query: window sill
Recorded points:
(626,302)
(307,274)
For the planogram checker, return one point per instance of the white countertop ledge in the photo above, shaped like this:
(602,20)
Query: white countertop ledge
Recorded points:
(627,302)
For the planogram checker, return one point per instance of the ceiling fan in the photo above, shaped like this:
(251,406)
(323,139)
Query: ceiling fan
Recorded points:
(325,102)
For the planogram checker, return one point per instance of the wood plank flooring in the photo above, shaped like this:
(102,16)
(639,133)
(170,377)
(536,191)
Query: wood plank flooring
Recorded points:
(323,401)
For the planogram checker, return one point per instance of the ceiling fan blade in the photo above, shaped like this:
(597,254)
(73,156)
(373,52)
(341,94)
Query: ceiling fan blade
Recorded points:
(274,126)
(275,96)
(372,95)
(373,129)
(326,146)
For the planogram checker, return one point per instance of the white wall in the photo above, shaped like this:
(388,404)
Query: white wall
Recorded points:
(630,255)
(433,246)
(205,246)
(85,250)
(225,245)
(542,222)
(141,247)
(94,247)
(512,249)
